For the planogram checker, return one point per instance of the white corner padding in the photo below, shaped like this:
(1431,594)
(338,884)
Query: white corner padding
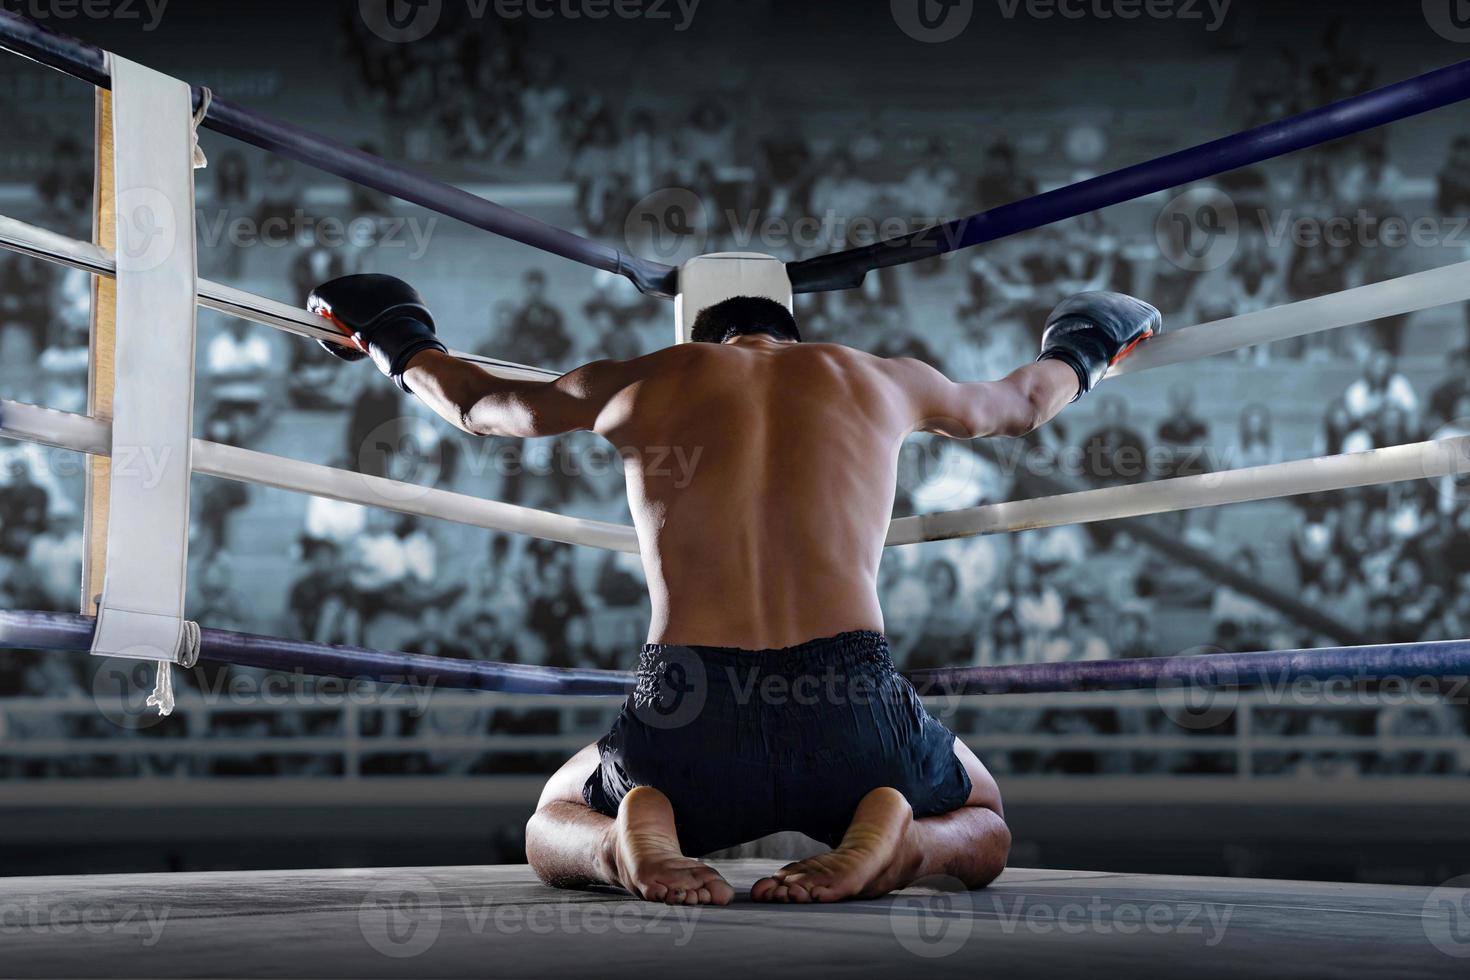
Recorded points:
(141,612)
(710,279)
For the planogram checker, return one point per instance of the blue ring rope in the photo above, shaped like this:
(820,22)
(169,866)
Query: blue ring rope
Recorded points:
(840,270)
(1400,662)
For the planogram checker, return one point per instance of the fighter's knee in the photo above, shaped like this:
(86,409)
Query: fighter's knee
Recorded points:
(994,858)
(539,854)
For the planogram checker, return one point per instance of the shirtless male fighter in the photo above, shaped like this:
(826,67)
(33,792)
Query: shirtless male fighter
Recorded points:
(766,697)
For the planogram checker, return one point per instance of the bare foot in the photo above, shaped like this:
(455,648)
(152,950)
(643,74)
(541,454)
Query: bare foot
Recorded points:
(872,859)
(641,853)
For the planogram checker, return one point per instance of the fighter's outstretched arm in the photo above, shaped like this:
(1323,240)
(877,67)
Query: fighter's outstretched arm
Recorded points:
(389,322)
(473,400)
(1085,335)
(1027,398)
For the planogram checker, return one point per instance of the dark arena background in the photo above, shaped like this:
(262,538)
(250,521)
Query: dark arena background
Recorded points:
(669,130)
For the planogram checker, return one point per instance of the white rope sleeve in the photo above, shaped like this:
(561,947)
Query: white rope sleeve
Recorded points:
(1394,297)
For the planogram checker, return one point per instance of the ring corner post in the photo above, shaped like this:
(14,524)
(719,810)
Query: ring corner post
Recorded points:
(100,364)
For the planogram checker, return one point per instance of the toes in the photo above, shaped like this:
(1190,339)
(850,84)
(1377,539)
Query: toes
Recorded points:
(697,885)
(713,888)
(720,892)
(810,881)
(764,889)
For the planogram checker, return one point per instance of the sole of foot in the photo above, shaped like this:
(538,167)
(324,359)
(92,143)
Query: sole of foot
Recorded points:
(871,860)
(643,851)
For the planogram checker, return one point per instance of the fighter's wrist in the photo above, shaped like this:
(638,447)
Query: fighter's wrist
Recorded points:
(1076,362)
(417,363)
(393,344)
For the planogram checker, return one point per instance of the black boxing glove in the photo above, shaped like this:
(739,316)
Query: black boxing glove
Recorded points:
(1090,332)
(385,317)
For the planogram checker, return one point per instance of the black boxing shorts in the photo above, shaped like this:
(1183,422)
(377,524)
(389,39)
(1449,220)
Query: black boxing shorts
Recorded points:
(749,743)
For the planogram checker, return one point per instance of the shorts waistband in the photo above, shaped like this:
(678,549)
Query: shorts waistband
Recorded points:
(858,651)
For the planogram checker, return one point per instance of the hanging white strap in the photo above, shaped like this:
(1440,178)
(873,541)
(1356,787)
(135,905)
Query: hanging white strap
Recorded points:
(141,612)
(206,98)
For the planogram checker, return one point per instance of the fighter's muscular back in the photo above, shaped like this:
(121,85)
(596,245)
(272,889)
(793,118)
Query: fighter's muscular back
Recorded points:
(764,524)
(760,472)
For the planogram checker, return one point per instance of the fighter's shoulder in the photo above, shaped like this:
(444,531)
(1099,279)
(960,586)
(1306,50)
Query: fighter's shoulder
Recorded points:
(667,362)
(910,370)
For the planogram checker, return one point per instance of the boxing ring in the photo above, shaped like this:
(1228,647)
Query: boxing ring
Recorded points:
(500,921)
(357,923)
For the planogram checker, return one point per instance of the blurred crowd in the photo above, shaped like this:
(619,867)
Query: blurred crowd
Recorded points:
(1387,564)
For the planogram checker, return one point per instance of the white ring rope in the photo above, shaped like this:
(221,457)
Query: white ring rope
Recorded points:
(1394,297)
(64,430)
(1396,464)
(1408,294)
(1424,460)
(42,244)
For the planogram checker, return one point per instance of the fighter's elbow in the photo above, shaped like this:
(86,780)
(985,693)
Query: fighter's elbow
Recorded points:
(485,416)
(516,418)
(1023,418)
(1015,428)
(468,423)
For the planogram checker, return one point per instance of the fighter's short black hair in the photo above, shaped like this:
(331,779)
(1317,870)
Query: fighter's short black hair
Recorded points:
(741,316)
